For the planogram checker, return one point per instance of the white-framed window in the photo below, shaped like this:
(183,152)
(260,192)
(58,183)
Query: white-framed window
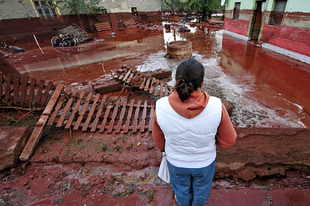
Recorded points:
(45,9)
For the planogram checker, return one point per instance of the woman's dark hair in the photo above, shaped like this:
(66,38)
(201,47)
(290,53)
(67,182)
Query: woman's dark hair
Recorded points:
(189,76)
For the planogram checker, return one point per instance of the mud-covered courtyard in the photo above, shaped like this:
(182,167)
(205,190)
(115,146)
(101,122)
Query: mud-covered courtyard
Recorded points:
(268,165)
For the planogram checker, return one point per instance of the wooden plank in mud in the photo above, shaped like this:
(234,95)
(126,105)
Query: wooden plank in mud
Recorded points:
(91,112)
(143,82)
(130,77)
(39,94)
(94,126)
(7,88)
(126,76)
(104,26)
(152,86)
(166,89)
(105,118)
(113,21)
(38,130)
(46,93)
(144,113)
(31,92)
(113,116)
(16,89)
(146,88)
(85,106)
(75,109)
(129,116)
(161,89)
(135,122)
(58,106)
(151,116)
(23,90)
(156,88)
(66,109)
(121,117)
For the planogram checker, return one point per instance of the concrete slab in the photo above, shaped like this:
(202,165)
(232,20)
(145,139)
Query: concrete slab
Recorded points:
(13,140)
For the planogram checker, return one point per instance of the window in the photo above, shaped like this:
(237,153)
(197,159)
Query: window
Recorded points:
(236,11)
(276,15)
(45,9)
(134,10)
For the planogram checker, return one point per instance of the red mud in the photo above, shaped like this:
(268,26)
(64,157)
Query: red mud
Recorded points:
(77,168)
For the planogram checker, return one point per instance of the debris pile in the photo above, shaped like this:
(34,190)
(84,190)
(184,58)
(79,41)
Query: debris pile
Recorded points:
(70,36)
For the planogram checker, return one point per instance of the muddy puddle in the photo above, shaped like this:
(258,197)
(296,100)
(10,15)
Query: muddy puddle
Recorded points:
(266,88)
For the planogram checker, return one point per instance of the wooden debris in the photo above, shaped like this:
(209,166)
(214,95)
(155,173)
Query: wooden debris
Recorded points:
(38,130)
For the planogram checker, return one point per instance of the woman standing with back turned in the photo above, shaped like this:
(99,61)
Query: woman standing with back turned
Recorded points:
(187,125)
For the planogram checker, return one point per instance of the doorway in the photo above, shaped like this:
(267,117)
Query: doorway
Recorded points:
(257,20)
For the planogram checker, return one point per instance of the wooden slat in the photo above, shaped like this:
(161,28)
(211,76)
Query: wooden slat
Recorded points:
(75,109)
(120,120)
(16,90)
(135,122)
(46,93)
(129,116)
(1,81)
(31,92)
(66,109)
(94,126)
(8,87)
(23,91)
(142,84)
(85,106)
(152,86)
(130,77)
(58,106)
(151,116)
(114,116)
(146,88)
(156,88)
(166,89)
(39,94)
(38,130)
(126,76)
(143,116)
(105,118)
(161,89)
(91,112)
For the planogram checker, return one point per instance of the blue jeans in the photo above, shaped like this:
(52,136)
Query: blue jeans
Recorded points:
(191,185)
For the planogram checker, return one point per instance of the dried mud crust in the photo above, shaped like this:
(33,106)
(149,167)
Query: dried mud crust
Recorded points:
(124,151)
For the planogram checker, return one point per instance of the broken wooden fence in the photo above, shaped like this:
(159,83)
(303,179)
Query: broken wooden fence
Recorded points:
(144,82)
(95,112)
(24,92)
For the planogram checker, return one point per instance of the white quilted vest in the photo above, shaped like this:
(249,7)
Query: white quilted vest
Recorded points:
(189,140)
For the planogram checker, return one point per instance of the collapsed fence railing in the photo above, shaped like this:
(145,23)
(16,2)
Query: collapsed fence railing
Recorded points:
(24,92)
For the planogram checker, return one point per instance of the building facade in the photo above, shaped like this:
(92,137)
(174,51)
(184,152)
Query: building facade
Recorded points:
(48,9)
(279,25)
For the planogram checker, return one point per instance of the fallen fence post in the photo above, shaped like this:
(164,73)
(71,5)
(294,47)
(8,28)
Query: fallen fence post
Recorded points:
(38,130)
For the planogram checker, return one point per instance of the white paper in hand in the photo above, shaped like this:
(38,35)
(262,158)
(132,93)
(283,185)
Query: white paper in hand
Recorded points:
(163,172)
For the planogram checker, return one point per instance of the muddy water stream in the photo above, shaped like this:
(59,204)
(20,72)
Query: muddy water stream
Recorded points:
(266,88)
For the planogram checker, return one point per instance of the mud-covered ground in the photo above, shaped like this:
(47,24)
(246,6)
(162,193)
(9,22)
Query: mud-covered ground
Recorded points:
(83,168)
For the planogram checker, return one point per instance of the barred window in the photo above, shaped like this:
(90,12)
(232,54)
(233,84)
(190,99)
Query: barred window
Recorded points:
(46,9)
